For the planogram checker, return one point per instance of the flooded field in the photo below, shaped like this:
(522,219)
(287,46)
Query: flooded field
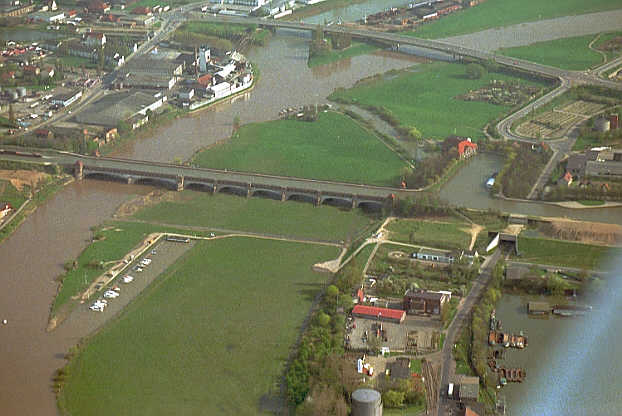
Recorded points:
(527,33)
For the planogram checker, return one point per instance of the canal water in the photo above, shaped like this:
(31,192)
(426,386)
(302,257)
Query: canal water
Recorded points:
(355,11)
(33,256)
(572,364)
(467,189)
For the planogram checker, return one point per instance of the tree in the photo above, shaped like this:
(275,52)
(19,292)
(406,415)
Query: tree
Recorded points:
(475,71)
(323,319)
(123,127)
(393,399)
(415,133)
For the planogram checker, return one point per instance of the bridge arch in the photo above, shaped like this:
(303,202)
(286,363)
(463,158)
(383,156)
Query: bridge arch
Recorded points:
(369,206)
(267,193)
(199,186)
(233,190)
(151,181)
(106,176)
(337,201)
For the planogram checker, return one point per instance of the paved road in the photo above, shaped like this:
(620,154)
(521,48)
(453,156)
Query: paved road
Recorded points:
(453,332)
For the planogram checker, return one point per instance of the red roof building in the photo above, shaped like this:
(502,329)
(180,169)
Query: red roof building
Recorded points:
(466,149)
(383,314)
(567,178)
(205,80)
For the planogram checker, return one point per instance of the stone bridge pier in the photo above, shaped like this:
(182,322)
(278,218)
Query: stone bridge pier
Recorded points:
(78,170)
(180,183)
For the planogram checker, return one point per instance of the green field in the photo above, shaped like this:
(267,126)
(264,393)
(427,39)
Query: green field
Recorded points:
(334,147)
(568,53)
(261,215)
(448,235)
(604,37)
(357,48)
(8,193)
(499,13)
(425,98)
(563,253)
(204,338)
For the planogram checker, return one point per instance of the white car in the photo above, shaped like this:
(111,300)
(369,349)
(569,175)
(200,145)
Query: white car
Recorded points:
(128,279)
(96,308)
(110,294)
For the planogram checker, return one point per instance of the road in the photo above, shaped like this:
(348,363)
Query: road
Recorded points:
(453,332)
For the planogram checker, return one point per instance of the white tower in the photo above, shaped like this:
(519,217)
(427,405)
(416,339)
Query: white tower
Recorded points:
(204,57)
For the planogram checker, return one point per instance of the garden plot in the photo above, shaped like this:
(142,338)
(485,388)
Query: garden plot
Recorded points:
(556,123)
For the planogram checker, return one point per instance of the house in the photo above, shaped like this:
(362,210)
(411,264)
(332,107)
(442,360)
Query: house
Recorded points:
(48,17)
(468,389)
(138,120)
(440,256)
(43,133)
(399,369)
(5,209)
(145,11)
(221,90)
(186,94)
(423,301)
(566,179)
(576,164)
(71,14)
(111,135)
(381,314)
(47,72)
(66,98)
(466,149)
(13,8)
(31,70)
(143,20)
(95,39)
(98,7)
(52,6)
(205,80)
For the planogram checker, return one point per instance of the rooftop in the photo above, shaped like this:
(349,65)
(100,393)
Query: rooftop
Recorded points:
(111,109)
(376,312)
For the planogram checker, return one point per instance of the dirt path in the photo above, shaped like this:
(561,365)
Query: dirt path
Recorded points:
(603,54)
(474,231)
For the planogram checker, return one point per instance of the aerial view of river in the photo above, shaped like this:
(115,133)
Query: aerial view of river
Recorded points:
(355,11)
(33,256)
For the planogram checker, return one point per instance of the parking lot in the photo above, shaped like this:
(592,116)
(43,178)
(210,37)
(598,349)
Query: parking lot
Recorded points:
(162,255)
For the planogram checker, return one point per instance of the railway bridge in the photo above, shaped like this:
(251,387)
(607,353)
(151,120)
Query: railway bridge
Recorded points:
(243,184)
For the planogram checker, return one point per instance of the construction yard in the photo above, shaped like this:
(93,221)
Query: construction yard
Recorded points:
(502,93)
(557,122)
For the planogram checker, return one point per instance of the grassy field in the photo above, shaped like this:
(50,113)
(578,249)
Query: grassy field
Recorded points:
(449,235)
(425,98)
(8,193)
(260,215)
(499,13)
(334,147)
(562,253)
(357,48)
(77,61)
(568,53)
(202,334)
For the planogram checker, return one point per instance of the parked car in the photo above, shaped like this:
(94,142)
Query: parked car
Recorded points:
(111,294)
(128,279)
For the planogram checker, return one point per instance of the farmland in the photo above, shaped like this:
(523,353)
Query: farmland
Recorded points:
(8,193)
(499,13)
(555,123)
(435,112)
(205,325)
(568,53)
(449,235)
(334,147)
(199,209)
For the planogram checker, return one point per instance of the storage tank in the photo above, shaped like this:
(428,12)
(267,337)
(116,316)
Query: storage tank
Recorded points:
(14,95)
(21,91)
(366,402)
(601,124)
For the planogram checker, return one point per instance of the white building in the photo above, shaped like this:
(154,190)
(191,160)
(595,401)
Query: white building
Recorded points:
(226,70)
(221,90)
(66,99)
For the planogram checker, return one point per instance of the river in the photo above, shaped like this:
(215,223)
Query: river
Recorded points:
(33,256)
(570,362)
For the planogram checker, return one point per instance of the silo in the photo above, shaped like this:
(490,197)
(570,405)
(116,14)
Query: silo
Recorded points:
(366,402)
(601,124)
(21,91)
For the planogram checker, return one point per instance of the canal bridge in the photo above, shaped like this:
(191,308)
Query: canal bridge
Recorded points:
(180,177)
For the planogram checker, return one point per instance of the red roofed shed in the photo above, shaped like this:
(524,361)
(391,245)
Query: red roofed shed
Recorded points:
(384,314)
(205,80)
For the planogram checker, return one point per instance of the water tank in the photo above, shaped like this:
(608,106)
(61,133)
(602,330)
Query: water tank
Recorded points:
(21,91)
(366,402)
(602,124)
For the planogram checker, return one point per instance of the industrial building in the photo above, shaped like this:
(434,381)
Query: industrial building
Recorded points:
(66,98)
(131,106)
